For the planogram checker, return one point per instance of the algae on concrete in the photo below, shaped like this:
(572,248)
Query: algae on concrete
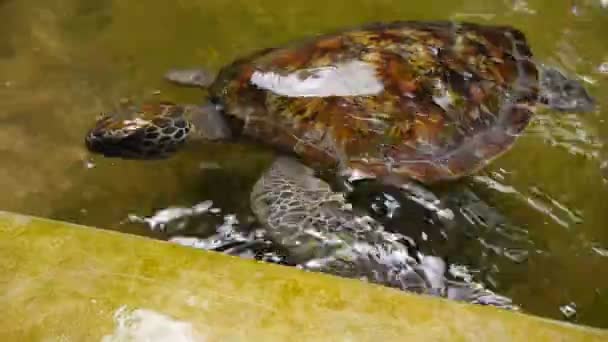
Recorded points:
(63,282)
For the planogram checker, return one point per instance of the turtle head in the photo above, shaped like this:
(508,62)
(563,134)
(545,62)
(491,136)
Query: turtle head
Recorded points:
(152,131)
(155,131)
(563,94)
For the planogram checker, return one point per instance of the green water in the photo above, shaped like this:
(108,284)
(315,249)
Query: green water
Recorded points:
(62,62)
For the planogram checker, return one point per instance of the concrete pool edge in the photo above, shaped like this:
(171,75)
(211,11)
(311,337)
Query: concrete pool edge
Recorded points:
(61,281)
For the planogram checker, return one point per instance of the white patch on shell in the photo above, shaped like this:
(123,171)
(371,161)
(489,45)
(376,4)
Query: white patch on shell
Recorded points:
(352,78)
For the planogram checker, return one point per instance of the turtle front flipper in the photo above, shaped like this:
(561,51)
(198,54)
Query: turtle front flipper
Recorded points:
(199,78)
(563,94)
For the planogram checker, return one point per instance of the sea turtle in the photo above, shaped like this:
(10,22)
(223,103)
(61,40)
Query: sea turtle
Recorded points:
(402,101)
(405,103)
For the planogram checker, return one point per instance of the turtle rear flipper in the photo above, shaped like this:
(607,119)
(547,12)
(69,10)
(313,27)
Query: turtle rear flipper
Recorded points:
(199,78)
(563,94)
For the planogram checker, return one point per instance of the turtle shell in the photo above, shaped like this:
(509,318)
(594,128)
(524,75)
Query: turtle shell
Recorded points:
(426,100)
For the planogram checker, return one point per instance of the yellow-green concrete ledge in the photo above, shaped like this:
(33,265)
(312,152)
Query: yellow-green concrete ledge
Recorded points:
(63,282)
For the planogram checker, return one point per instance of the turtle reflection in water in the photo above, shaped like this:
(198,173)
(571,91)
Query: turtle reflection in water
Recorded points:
(406,104)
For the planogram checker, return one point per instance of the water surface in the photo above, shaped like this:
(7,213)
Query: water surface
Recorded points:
(62,62)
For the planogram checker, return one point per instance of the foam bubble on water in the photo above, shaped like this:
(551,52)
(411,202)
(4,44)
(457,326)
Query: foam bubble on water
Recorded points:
(600,251)
(227,234)
(150,326)
(391,204)
(229,225)
(461,272)
(164,217)
(522,6)
(568,310)
(198,243)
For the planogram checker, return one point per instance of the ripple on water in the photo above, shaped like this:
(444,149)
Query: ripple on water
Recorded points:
(536,199)
(385,259)
(567,131)
(601,251)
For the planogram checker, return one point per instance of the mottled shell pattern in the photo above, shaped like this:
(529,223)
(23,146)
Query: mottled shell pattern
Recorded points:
(429,101)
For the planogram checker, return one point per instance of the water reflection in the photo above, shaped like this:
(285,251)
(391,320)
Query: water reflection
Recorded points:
(537,200)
